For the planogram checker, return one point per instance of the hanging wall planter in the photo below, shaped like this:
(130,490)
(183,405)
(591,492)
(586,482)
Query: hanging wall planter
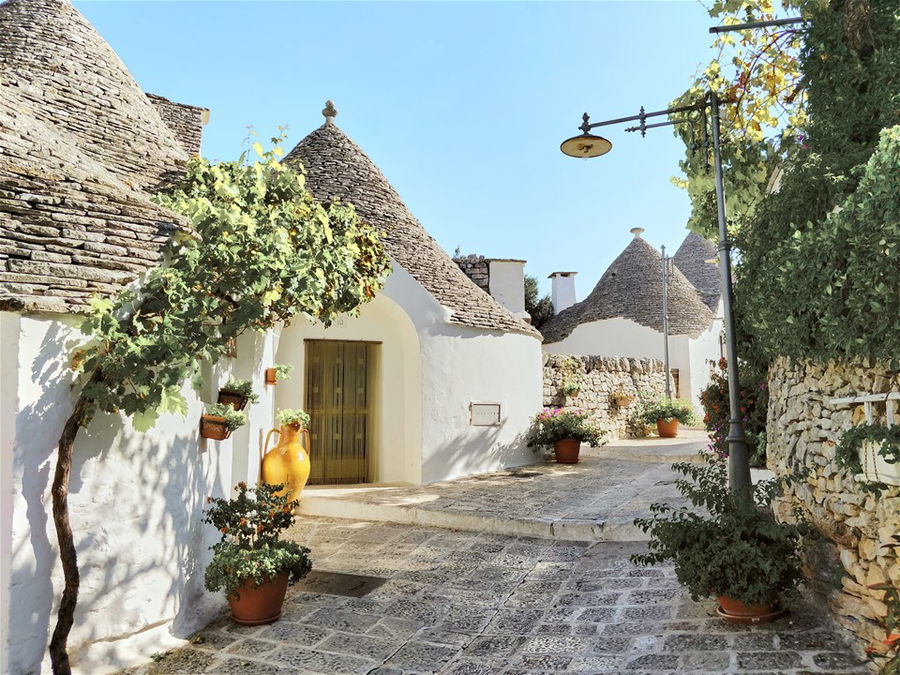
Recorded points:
(219,421)
(237,393)
(278,373)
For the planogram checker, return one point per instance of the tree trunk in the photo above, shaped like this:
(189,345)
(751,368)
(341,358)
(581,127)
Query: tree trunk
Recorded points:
(59,657)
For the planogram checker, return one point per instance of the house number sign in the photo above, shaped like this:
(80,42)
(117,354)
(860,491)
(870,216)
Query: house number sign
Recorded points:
(485,414)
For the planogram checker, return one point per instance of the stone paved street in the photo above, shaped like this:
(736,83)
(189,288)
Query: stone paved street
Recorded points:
(470,603)
(594,500)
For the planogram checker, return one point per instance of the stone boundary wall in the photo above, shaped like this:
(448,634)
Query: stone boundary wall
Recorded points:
(477,268)
(600,377)
(803,430)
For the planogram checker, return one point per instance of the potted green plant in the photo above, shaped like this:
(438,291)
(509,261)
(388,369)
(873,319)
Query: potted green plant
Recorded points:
(569,388)
(667,413)
(729,545)
(621,398)
(873,450)
(219,420)
(251,563)
(278,372)
(237,393)
(563,429)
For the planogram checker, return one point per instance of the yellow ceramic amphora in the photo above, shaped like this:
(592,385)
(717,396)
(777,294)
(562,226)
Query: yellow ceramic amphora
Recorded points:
(287,462)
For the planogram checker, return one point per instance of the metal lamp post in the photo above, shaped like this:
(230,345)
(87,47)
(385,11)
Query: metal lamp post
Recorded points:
(665,318)
(589,145)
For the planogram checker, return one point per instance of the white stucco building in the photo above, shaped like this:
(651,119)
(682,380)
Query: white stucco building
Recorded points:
(433,380)
(623,314)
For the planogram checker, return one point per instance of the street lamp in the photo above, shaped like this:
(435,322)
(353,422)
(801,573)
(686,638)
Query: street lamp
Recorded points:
(588,145)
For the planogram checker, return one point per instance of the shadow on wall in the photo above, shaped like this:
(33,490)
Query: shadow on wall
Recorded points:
(457,455)
(135,501)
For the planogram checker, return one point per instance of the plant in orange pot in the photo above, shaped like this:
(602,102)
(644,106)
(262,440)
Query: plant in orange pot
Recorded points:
(563,429)
(237,393)
(667,413)
(278,373)
(250,563)
(219,420)
(728,545)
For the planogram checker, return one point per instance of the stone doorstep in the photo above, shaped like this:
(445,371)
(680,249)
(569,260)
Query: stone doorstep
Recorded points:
(562,529)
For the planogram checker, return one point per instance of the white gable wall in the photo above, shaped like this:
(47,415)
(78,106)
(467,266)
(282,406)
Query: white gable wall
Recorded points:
(135,503)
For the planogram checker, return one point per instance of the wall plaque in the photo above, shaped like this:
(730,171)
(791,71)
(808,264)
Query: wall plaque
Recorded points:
(485,414)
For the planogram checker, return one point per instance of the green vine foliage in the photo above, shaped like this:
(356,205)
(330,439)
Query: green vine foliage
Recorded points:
(263,251)
(887,438)
(727,544)
(818,261)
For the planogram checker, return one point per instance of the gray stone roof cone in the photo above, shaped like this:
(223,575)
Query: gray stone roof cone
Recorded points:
(337,168)
(631,288)
(79,145)
(691,258)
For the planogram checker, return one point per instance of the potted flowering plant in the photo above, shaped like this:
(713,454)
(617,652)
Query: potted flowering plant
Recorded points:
(622,398)
(667,413)
(728,545)
(563,429)
(278,372)
(237,393)
(251,563)
(220,420)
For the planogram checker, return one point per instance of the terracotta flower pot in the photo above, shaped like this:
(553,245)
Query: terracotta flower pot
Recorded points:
(214,428)
(667,429)
(236,401)
(255,606)
(271,376)
(737,611)
(567,450)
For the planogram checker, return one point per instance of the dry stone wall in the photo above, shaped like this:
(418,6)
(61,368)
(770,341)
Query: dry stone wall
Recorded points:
(803,430)
(185,121)
(600,377)
(477,268)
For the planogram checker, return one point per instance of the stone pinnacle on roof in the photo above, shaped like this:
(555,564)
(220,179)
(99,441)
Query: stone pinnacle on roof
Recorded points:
(631,288)
(692,258)
(637,231)
(329,112)
(336,168)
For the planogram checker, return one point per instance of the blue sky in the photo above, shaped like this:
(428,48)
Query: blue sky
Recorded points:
(462,105)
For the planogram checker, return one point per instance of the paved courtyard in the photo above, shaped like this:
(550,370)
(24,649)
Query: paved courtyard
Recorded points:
(470,603)
(596,499)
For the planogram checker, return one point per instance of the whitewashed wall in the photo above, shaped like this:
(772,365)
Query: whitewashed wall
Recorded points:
(135,504)
(430,372)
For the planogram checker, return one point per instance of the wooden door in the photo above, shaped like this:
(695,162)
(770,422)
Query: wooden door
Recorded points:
(337,400)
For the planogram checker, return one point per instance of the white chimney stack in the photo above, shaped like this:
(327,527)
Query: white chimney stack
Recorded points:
(506,284)
(562,292)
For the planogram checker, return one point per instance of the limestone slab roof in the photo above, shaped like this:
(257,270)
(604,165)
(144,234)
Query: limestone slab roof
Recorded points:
(81,149)
(691,258)
(338,169)
(631,288)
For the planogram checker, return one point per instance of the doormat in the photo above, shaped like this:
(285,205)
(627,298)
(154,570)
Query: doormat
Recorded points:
(336,583)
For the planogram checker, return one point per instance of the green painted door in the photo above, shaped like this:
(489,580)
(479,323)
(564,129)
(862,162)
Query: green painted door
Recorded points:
(337,400)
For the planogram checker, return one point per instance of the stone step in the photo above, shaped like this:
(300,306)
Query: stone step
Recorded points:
(563,529)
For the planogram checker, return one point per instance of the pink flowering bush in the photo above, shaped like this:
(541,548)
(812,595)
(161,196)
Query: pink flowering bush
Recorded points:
(558,424)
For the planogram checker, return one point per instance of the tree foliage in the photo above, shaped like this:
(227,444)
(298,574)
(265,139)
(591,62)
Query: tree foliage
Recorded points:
(540,309)
(756,74)
(264,252)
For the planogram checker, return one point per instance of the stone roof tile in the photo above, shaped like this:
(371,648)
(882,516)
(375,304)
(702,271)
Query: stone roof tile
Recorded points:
(337,168)
(631,288)
(691,259)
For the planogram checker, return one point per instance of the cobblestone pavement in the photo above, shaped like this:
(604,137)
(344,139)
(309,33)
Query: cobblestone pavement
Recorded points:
(596,499)
(468,603)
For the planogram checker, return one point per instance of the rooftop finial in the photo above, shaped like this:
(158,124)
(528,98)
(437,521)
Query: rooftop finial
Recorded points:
(636,231)
(330,112)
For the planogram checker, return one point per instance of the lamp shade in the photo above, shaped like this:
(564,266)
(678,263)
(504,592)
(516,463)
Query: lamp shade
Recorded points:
(585,145)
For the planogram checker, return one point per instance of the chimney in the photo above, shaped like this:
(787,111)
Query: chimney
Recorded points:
(562,292)
(506,284)
(186,122)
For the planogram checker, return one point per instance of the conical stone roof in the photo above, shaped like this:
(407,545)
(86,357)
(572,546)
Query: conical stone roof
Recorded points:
(691,259)
(337,168)
(74,221)
(70,78)
(631,288)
